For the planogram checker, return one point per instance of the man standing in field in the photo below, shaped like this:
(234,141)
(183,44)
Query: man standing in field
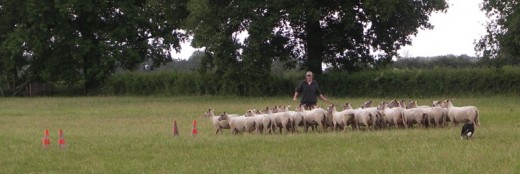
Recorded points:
(309,89)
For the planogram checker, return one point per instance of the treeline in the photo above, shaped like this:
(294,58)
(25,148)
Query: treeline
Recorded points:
(446,61)
(415,77)
(451,61)
(389,82)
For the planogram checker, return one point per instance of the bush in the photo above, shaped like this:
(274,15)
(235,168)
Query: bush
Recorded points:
(380,83)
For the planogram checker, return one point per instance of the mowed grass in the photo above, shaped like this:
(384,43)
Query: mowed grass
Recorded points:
(134,135)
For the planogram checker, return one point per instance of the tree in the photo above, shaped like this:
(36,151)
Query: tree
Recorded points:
(85,40)
(345,34)
(503,32)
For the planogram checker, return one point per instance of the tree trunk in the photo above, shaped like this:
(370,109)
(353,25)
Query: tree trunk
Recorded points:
(315,47)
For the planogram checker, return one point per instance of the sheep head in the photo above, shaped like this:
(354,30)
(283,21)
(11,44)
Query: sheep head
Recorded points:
(223,116)
(250,113)
(366,104)
(347,106)
(209,113)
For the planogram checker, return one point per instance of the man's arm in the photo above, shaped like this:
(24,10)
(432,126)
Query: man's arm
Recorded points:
(297,90)
(325,99)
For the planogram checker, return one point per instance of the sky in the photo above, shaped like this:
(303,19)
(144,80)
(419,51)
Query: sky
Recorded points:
(455,32)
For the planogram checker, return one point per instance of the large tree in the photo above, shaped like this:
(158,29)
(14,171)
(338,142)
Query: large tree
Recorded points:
(349,35)
(502,42)
(85,40)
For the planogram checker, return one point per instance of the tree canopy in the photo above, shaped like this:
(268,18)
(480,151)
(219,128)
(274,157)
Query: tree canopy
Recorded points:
(349,35)
(85,40)
(502,41)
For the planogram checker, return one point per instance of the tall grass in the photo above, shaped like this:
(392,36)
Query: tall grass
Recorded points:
(133,135)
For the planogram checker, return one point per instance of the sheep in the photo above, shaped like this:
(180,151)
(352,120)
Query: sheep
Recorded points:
(392,116)
(413,115)
(268,120)
(462,114)
(377,122)
(259,120)
(296,119)
(240,123)
(416,116)
(219,125)
(435,114)
(328,120)
(340,119)
(444,111)
(363,117)
(281,118)
(313,117)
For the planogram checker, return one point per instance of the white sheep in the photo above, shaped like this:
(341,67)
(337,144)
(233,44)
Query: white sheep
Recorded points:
(362,117)
(435,114)
(444,111)
(259,119)
(413,115)
(296,119)
(341,119)
(462,114)
(416,116)
(218,125)
(377,122)
(392,116)
(268,121)
(240,123)
(312,117)
(281,118)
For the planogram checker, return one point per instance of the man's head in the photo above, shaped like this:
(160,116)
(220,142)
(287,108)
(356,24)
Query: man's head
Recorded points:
(309,75)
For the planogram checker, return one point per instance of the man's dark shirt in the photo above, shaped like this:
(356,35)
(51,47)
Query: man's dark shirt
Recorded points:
(308,92)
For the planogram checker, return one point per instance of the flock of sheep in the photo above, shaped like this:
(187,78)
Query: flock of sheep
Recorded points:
(392,114)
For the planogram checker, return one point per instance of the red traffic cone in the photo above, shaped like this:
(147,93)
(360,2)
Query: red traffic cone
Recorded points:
(194,130)
(61,141)
(174,129)
(45,140)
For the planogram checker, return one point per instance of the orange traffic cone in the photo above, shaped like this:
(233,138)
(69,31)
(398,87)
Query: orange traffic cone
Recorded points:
(174,129)
(61,141)
(45,140)
(194,130)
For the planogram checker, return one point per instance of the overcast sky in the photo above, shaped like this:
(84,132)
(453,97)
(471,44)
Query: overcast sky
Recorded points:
(455,32)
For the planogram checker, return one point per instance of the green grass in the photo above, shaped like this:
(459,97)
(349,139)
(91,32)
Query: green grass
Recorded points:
(133,135)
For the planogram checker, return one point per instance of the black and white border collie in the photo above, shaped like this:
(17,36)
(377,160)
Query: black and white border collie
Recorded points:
(467,131)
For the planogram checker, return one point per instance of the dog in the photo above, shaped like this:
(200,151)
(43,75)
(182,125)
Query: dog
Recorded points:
(467,131)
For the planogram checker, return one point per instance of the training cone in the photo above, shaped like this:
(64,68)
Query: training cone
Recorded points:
(61,141)
(45,140)
(174,129)
(194,130)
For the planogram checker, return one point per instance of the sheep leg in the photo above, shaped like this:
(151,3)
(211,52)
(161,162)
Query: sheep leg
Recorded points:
(258,131)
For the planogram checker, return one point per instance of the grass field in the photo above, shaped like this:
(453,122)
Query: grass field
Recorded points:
(133,135)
